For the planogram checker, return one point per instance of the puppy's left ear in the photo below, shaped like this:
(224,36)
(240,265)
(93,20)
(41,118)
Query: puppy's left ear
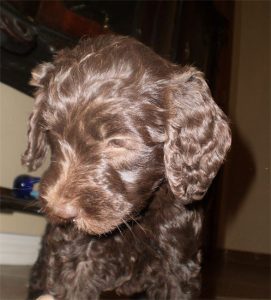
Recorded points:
(36,139)
(197,135)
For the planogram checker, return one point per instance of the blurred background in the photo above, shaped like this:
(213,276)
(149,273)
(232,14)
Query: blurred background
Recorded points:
(230,42)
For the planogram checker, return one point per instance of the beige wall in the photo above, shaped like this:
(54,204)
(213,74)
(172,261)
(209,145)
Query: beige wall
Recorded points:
(15,108)
(245,212)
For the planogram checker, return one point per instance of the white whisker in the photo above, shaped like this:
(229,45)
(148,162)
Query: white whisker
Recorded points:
(139,225)
(120,230)
(127,225)
(130,229)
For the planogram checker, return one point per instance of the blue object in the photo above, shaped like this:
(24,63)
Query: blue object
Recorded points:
(23,186)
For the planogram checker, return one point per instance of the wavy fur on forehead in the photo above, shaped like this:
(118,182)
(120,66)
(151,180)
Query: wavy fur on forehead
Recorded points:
(104,68)
(93,76)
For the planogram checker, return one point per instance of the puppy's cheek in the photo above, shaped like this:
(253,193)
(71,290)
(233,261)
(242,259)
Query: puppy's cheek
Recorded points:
(129,177)
(106,217)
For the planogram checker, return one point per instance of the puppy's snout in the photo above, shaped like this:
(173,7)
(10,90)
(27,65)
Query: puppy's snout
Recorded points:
(65,210)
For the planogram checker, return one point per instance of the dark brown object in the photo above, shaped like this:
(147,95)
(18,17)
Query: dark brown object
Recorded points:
(9,203)
(55,15)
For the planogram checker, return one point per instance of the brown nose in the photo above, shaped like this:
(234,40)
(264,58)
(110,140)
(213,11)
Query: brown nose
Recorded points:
(65,210)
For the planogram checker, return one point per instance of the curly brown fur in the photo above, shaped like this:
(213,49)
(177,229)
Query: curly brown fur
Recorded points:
(134,139)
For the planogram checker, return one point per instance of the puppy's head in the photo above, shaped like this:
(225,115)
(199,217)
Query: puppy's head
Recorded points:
(119,120)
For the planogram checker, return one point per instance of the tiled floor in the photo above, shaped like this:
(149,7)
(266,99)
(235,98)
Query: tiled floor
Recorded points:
(232,279)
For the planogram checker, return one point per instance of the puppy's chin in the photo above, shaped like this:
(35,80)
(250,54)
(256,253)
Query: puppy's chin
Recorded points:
(94,227)
(89,226)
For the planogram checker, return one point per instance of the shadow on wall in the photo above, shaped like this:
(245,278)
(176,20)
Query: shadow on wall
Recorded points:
(240,173)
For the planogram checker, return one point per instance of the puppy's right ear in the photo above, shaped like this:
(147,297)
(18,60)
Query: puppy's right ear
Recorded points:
(37,143)
(198,135)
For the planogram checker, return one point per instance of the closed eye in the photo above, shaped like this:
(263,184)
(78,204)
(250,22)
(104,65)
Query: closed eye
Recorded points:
(117,143)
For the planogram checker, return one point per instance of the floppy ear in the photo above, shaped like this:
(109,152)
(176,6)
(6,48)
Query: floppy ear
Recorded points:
(198,135)
(37,144)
